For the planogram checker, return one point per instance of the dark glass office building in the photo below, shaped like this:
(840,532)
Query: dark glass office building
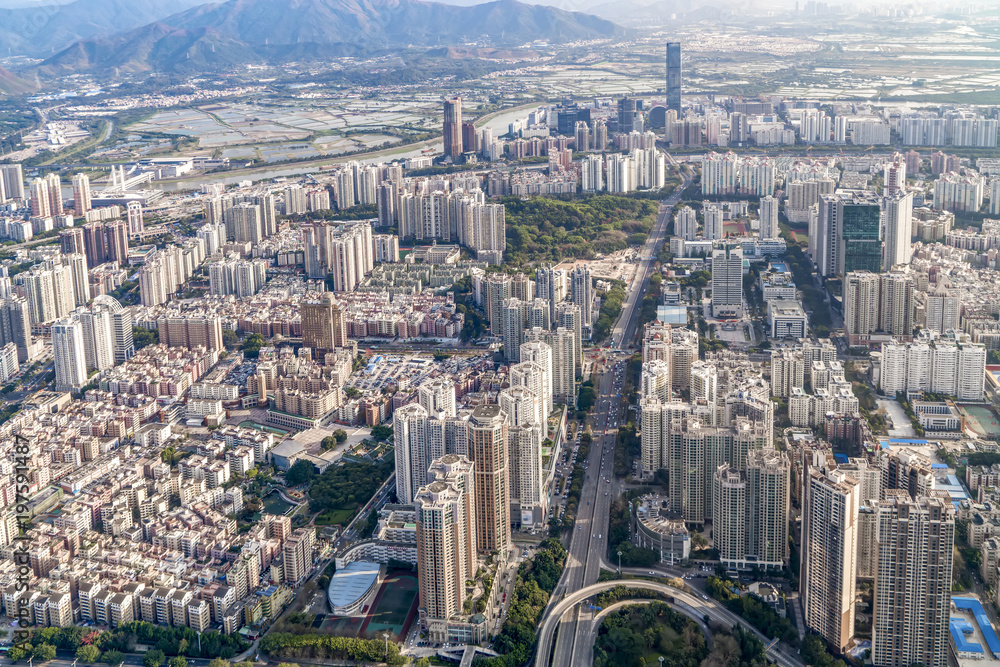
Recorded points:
(673,89)
(860,225)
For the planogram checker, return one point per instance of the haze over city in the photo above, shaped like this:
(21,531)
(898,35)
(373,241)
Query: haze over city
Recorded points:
(499,334)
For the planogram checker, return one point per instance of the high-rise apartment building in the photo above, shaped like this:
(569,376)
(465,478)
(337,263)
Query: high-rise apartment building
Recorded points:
(488,447)
(768,503)
(409,425)
(712,213)
(49,289)
(191,331)
(69,355)
(437,396)
(686,223)
(582,294)
(81,194)
(446,537)
(297,555)
(894,175)
(912,597)
(453,128)
(727,282)
(46,196)
(11,182)
(15,325)
(344,251)
(729,515)
(827,580)
(950,364)
(769,218)
(537,377)
(323,325)
(897,209)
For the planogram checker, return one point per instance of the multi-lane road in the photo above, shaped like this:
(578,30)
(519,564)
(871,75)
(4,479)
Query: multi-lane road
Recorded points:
(588,544)
(589,540)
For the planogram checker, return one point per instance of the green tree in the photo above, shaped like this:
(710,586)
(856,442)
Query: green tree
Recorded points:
(340,435)
(44,652)
(301,472)
(142,337)
(18,653)
(251,346)
(88,653)
(113,657)
(328,443)
(178,661)
(153,658)
(230,339)
(382,432)
(218,662)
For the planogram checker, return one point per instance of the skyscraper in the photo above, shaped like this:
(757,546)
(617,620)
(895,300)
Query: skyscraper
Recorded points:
(897,208)
(446,538)
(768,501)
(582,294)
(81,194)
(830,503)
(15,325)
(769,218)
(69,355)
(912,597)
(409,425)
(437,396)
(729,514)
(848,234)
(11,181)
(727,282)
(453,128)
(673,88)
(628,114)
(488,446)
(545,288)
(538,352)
(323,326)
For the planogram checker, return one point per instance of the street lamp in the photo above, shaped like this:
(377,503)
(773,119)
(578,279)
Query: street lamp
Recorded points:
(386,635)
(619,564)
(661,660)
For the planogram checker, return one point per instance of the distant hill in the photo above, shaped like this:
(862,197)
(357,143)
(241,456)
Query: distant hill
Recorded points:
(217,35)
(12,85)
(45,29)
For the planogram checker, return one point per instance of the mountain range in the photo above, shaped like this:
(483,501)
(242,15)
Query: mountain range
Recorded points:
(219,35)
(41,30)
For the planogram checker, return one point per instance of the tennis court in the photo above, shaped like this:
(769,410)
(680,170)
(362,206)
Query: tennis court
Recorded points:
(394,607)
(339,626)
(981,420)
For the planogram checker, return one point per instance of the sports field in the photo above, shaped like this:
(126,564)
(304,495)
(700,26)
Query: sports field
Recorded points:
(982,420)
(394,607)
(339,626)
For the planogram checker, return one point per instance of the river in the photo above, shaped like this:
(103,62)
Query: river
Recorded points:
(498,124)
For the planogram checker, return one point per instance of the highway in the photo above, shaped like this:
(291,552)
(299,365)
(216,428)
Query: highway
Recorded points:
(779,655)
(589,540)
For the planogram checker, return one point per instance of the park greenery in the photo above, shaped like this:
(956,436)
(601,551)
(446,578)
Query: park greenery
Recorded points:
(110,646)
(611,308)
(618,538)
(340,490)
(643,634)
(751,609)
(545,228)
(324,647)
(536,579)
